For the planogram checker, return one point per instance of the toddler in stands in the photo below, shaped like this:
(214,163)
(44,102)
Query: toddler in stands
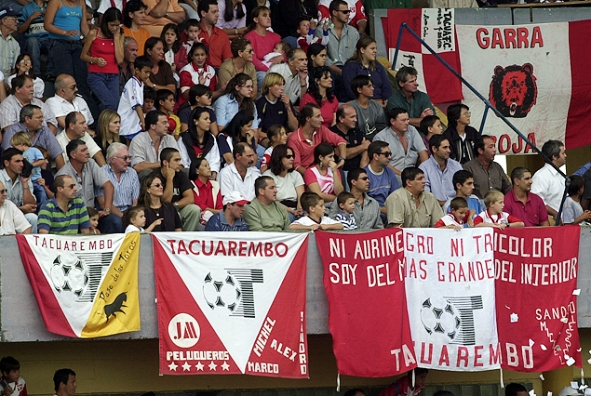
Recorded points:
(191,33)
(11,378)
(346,202)
(313,204)
(494,216)
(457,216)
(134,220)
(306,30)
(93,217)
(280,49)
(277,135)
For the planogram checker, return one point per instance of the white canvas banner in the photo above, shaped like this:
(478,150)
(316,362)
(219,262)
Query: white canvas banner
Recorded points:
(450,286)
(525,72)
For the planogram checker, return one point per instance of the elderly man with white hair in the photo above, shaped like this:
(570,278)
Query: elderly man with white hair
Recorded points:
(123,177)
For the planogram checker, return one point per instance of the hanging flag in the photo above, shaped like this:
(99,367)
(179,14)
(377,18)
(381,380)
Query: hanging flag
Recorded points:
(368,319)
(85,286)
(450,288)
(537,298)
(515,66)
(232,303)
(436,27)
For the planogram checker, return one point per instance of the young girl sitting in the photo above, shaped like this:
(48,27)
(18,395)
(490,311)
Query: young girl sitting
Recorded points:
(103,51)
(134,220)
(277,135)
(93,216)
(197,72)
(174,50)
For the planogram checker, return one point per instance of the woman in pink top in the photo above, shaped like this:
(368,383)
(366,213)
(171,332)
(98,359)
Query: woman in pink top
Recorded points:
(261,39)
(320,93)
(323,177)
(103,51)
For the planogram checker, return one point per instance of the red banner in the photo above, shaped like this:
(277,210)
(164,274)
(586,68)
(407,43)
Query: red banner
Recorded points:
(232,306)
(368,318)
(436,27)
(536,279)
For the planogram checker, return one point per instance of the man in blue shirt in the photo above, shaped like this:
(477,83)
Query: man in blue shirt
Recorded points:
(229,219)
(382,179)
(439,169)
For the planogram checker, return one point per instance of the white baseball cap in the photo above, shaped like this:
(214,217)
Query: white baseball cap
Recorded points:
(236,198)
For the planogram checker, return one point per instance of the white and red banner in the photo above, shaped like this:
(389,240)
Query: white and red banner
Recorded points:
(436,27)
(536,298)
(364,283)
(85,286)
(450,288)
(516,67)
(477,299)
(232,303)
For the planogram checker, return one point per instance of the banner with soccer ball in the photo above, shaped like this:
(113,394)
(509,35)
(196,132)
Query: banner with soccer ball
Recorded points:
(368,319)
(85,286)
(537,298)
(232,303)
(450,289)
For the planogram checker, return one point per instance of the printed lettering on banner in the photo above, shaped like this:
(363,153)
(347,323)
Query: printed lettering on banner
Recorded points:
(229,305)
(451,298)
(368,319)
(536,279)
(85,286)
(514,66)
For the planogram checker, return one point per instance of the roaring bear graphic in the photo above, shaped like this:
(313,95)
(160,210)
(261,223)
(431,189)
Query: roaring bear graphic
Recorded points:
(513,90)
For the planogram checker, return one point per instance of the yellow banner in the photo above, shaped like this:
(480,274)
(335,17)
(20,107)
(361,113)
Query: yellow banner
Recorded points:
(116,306)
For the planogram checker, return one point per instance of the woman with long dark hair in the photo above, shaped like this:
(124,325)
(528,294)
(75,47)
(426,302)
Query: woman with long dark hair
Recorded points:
(323,177)
(238,97)
(290,184)
(320,92)
(103,51)
(206,191)
(232,18)
(364,62)
(161,76)
(151,198)
(199,141)
(240,129)
(460,134)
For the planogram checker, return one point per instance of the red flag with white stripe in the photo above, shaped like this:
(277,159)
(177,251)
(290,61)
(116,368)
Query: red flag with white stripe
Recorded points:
(232,303)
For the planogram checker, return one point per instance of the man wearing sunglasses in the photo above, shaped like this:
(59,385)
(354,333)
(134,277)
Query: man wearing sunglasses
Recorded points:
(382,179)
(64,214)
(342,42)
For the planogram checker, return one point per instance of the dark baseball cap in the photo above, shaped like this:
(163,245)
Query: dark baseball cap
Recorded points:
(7,11)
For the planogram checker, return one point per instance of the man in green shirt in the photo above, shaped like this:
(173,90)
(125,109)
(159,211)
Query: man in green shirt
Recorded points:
(264,213)
(416,103)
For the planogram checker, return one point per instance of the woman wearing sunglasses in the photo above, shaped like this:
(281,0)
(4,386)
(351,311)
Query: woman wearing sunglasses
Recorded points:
(151,199)
(290,184)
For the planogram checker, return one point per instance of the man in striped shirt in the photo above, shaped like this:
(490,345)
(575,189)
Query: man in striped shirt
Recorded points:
(64,214)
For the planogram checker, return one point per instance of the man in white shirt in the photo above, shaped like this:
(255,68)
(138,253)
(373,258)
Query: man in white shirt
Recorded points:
(66,101)
(12,220)
(548,182)
(295,72)
(77,128)
(241,174)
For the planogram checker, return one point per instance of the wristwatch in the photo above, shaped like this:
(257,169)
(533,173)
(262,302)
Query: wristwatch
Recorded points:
(108,210)
(176,205)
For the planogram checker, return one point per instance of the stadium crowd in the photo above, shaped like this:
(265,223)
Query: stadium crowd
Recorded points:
(237,115)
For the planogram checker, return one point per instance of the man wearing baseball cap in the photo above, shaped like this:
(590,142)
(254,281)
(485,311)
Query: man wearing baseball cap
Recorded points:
(9,47)
(229,219)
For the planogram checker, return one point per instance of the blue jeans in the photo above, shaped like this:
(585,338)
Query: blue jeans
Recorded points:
(111,224)
(34,46)
(40,194)
(65,55)
(106,88)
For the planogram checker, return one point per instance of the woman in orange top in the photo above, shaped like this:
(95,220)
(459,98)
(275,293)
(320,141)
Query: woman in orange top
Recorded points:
(133,18)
